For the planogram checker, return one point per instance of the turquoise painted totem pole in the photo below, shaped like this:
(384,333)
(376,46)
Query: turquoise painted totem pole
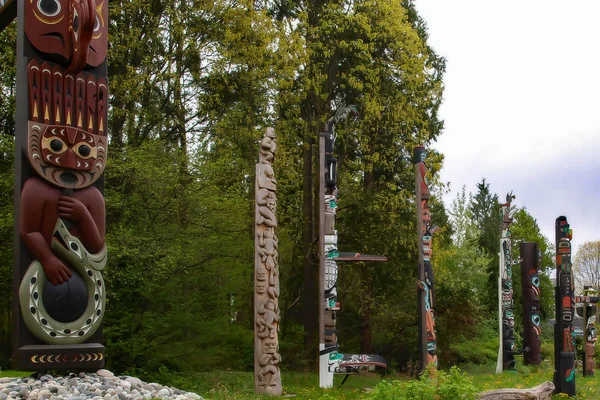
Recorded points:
(506,351)
(331,361)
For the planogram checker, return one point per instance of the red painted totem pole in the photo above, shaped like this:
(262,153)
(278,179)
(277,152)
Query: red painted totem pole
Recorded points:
(60,251)
(530,290)
(564,340)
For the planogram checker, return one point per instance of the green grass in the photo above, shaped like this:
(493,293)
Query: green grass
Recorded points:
(484,378)
(14,374)
(230,385)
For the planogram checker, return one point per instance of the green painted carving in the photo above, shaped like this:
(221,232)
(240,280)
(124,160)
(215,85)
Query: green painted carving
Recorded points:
(39,322)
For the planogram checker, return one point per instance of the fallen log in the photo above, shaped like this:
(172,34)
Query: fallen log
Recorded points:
(540,392)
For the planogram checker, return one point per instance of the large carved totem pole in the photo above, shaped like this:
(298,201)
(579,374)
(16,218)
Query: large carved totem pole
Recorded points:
(506,352)
(564,339)
(427,336)
(530,289)
(330,360)
(62,104)
(267,377)
(589,303)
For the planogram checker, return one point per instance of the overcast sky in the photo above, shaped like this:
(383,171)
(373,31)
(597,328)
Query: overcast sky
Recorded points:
(522,104)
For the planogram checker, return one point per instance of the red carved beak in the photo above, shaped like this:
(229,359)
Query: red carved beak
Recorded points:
(83,17)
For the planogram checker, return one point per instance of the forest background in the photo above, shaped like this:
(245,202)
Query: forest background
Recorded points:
(193,86)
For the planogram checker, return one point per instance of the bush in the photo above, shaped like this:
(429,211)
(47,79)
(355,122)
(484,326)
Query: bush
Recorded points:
(476,351)
(547,350)
(438,385)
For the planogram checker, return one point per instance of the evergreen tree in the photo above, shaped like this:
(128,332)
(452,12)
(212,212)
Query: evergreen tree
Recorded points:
(485,210)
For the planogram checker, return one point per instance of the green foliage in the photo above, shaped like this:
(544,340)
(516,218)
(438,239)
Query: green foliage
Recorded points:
(460,289)
(441,385)
(485,209)
(547,349)
(6,251)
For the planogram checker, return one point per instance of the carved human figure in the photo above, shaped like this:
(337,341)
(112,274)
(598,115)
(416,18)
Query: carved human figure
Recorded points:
(267,147)
(267,242)
(267,203)
(42,204)
(269,361)
(268,319)
(266,177)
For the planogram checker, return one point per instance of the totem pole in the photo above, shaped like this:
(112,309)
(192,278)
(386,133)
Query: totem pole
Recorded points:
(564,339)
(530,289)
(506,351)
(267,377)
(330,360)
(589,302)
(61,121)
(427,336)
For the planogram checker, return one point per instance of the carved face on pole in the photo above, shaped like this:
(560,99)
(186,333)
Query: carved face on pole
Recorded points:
(261,275)
(66,156)
(261,287)
(270,346)
(75,32)
(67,106)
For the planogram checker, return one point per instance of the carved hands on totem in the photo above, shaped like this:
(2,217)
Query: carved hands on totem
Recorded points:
(42,205)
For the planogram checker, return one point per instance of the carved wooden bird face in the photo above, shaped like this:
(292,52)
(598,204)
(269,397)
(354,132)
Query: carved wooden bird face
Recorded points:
(75,31)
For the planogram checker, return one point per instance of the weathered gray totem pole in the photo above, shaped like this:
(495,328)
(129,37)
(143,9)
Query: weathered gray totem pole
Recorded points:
(61,140)
(426,302)
(564,339)
(530,289)
(267,376)
(589,304)
(330,360)
(506,351)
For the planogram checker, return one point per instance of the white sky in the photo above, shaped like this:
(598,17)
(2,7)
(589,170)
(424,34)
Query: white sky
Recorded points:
(522,104)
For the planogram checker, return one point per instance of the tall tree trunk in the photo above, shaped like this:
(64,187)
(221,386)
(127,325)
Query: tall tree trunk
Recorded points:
(366,332)
(180,130)
(308,236)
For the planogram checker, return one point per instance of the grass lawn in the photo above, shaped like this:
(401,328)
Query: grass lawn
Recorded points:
(229,385)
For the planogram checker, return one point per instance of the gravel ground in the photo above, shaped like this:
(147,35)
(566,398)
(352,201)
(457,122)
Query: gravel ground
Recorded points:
(101,385)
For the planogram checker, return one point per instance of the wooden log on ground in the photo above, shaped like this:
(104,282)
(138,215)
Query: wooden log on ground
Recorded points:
(540,392)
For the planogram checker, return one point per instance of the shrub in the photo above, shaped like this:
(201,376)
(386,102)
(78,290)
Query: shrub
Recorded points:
(476,351)
(547,350)
(440,385)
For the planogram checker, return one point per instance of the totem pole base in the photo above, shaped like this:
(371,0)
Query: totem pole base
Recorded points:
(89,356)
(325,370)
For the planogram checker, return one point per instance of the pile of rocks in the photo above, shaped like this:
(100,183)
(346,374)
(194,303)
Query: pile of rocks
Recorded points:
(101,385)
